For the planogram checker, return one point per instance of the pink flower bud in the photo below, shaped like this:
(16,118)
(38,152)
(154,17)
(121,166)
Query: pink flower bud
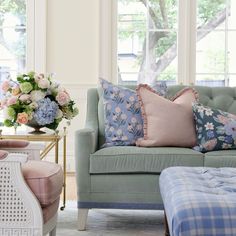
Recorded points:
(11,101)
(5,86)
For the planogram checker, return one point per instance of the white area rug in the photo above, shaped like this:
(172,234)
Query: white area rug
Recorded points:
(111,222)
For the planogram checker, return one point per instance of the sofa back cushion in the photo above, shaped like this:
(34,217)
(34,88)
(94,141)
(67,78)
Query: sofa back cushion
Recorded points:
(223,98)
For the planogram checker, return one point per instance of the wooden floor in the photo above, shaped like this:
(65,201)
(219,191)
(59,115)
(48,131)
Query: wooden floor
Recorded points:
(71,187)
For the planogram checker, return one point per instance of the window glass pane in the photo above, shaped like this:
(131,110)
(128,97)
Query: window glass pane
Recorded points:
(128,77)
(163,14)
(232,51)
(211,53)
(130,51)
(132,16)
(12,37)
(211,14)
(210,80)
(162,59)
(10,8)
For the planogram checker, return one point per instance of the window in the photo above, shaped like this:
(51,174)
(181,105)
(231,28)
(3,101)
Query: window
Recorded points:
(12,38)
(22,37)
(179,41)
(215,50)
(147,40)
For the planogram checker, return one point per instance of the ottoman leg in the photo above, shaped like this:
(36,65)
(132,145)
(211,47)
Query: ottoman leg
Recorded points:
(167,233)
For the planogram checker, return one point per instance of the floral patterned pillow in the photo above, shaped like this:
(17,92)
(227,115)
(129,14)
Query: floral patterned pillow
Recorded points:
(216,129)
(122,114)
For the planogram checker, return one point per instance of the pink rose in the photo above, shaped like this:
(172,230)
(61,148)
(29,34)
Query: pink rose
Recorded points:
(11,101)
(43,83)
(15,91)
(63,98)
(24,97)
(22,118)
(5,86)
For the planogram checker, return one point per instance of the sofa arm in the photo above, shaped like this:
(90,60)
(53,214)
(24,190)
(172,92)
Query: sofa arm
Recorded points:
(85,144)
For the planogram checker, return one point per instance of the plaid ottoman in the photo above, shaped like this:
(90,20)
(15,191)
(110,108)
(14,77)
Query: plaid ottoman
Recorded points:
(199,201)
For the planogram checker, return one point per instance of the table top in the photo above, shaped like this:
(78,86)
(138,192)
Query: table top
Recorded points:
(23,133)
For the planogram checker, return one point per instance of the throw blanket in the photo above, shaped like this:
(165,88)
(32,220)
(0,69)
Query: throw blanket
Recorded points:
(199,201)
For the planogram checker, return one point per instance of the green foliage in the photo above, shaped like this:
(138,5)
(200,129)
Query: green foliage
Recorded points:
(164,43)
(168,75)
(171,9)
(208,9)
(216,61)
(16,7)
(8,123)
(53,125)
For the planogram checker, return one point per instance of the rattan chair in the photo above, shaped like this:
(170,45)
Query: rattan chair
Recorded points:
(22,210)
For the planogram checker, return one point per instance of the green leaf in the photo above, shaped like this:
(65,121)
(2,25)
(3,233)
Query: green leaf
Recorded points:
(52,126)
(8,123)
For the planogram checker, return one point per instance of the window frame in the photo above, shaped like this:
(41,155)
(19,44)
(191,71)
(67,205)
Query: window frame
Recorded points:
(36,12)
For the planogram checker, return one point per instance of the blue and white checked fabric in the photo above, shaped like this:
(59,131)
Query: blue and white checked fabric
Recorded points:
(199,201)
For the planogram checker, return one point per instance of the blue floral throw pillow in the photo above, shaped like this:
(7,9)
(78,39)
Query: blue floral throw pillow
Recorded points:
(122,114)
(216,129)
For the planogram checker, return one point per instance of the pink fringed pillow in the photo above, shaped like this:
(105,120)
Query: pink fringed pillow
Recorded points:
(13,143)
(167,123)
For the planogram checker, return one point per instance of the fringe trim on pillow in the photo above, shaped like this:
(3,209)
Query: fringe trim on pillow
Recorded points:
(184,90)
(143,113)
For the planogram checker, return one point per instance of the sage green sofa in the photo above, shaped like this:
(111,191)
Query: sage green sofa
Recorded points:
(127,177)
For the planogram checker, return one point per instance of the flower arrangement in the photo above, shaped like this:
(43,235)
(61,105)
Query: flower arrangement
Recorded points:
(34,97)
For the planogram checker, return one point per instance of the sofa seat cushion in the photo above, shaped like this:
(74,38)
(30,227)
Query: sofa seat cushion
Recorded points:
(142,160)
(45,180)
(224,158)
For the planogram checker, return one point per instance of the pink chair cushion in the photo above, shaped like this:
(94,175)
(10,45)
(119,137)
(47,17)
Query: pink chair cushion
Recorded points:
(45,180)
(13,144)
(50,211)
(167,123)
(3,154)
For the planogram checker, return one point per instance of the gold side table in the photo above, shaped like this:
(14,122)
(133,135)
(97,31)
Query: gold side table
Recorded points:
(52,138)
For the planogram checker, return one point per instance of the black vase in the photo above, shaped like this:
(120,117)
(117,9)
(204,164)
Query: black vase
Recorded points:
(33,124)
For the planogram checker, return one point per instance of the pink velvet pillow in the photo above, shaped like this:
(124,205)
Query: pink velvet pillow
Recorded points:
(167,123)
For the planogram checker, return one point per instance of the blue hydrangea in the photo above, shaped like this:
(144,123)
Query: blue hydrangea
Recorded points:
(46,111)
